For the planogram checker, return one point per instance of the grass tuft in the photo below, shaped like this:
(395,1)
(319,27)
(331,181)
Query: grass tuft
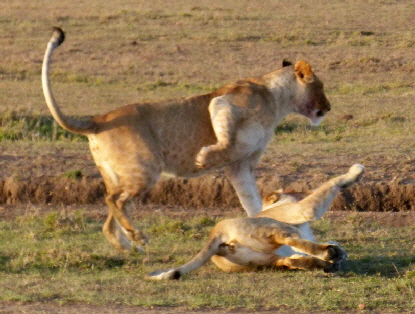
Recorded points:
(73,174)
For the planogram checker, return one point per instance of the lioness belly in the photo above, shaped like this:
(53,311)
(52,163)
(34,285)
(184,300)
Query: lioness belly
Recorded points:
(239,255)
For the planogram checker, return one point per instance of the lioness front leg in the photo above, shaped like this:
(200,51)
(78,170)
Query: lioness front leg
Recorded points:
(224,118)
(242,177)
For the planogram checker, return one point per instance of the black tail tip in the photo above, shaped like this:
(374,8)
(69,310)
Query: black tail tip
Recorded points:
(176,275)
(58,35)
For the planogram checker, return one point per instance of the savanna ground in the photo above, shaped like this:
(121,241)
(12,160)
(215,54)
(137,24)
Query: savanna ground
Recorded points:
(54,258)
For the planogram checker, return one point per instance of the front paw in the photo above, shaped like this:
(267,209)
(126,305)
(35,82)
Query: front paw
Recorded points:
(201,158)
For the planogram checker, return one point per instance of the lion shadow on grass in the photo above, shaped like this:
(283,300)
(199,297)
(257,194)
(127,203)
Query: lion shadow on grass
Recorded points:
(383,266)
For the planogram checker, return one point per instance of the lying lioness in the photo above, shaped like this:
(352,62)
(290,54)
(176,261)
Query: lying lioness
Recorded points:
(243,244)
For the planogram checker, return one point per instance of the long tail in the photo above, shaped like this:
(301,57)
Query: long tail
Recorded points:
(71,125)
(211,248)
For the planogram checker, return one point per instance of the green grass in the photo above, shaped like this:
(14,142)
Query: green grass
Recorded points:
(120,54)
(63,257)
(24,126)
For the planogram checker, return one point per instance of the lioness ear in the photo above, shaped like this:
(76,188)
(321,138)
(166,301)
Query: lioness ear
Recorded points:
(286,63)
(303,72)
(273,197)
(270,199)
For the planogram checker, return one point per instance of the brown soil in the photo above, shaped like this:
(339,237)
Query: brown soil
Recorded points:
(40,180)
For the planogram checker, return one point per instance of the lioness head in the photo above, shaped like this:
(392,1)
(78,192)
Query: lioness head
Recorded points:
(311,100)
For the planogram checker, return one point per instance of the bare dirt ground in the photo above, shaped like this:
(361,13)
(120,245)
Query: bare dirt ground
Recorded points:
(39,176)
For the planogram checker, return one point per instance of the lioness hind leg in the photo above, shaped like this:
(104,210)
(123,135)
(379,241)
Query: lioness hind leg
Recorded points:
(327,252)
(130,237)
(317,203)
(313,206)
(226,265)
(114,234)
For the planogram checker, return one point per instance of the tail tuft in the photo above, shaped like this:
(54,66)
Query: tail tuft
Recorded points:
(170,274)
(58,36)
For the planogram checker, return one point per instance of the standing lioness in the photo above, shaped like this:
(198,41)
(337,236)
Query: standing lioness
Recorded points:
(230,127)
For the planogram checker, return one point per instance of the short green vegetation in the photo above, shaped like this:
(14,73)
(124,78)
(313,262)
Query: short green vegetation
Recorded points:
(64,257)
(121,54)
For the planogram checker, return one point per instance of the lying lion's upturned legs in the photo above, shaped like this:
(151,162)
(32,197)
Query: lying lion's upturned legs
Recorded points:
(316,204)
(243,244)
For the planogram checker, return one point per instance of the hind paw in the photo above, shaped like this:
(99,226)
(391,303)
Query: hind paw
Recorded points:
(334,267)
(139,242)
(335,254)
(353,175)
(356,170)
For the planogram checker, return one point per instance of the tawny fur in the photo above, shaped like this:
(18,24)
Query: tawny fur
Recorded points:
(228,128)
(244,244)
